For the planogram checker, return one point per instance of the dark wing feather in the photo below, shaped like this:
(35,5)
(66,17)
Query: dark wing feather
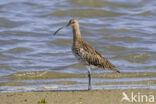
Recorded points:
(93,57)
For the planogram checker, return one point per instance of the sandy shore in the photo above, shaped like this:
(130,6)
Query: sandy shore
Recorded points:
(79,97)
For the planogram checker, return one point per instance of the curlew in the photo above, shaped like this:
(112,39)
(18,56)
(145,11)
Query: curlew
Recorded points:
(85,53)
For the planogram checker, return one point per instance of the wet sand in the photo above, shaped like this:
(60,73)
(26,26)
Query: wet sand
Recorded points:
(76,97)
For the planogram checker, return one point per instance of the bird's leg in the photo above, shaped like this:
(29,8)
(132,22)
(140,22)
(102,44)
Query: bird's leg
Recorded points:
(89,78)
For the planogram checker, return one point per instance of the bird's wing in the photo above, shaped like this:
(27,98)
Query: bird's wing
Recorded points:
(93,57)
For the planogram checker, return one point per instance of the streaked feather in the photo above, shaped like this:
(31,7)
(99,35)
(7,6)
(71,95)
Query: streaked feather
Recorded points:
(89,56)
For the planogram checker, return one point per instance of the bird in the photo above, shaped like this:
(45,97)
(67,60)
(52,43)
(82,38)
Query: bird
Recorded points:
(86,54)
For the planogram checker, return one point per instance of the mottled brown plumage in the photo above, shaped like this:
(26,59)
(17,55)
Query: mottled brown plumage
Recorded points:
(85,53)
(89,56)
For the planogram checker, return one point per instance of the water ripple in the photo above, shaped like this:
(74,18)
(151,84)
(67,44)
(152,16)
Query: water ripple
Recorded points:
(122,31)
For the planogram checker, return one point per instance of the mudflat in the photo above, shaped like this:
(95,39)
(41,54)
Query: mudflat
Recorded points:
(135,96)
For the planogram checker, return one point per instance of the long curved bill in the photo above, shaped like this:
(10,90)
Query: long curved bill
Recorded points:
(60,29)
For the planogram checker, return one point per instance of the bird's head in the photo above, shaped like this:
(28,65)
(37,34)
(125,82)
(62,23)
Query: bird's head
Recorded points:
(72,22)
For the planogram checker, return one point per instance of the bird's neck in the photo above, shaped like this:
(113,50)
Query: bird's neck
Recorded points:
(76,34)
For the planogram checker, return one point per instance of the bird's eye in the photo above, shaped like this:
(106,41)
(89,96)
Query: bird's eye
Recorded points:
(73,22)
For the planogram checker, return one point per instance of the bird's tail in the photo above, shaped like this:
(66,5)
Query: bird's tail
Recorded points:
(116,70)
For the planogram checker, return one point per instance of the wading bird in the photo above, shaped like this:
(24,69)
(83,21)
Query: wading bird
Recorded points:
(85,53)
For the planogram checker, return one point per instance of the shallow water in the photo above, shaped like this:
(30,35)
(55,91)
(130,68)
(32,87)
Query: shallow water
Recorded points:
(122,31)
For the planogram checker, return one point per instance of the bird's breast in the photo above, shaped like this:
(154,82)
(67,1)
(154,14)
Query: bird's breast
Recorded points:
(77,53)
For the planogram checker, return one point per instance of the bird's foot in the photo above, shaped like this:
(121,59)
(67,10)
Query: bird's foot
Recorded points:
(89,88)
